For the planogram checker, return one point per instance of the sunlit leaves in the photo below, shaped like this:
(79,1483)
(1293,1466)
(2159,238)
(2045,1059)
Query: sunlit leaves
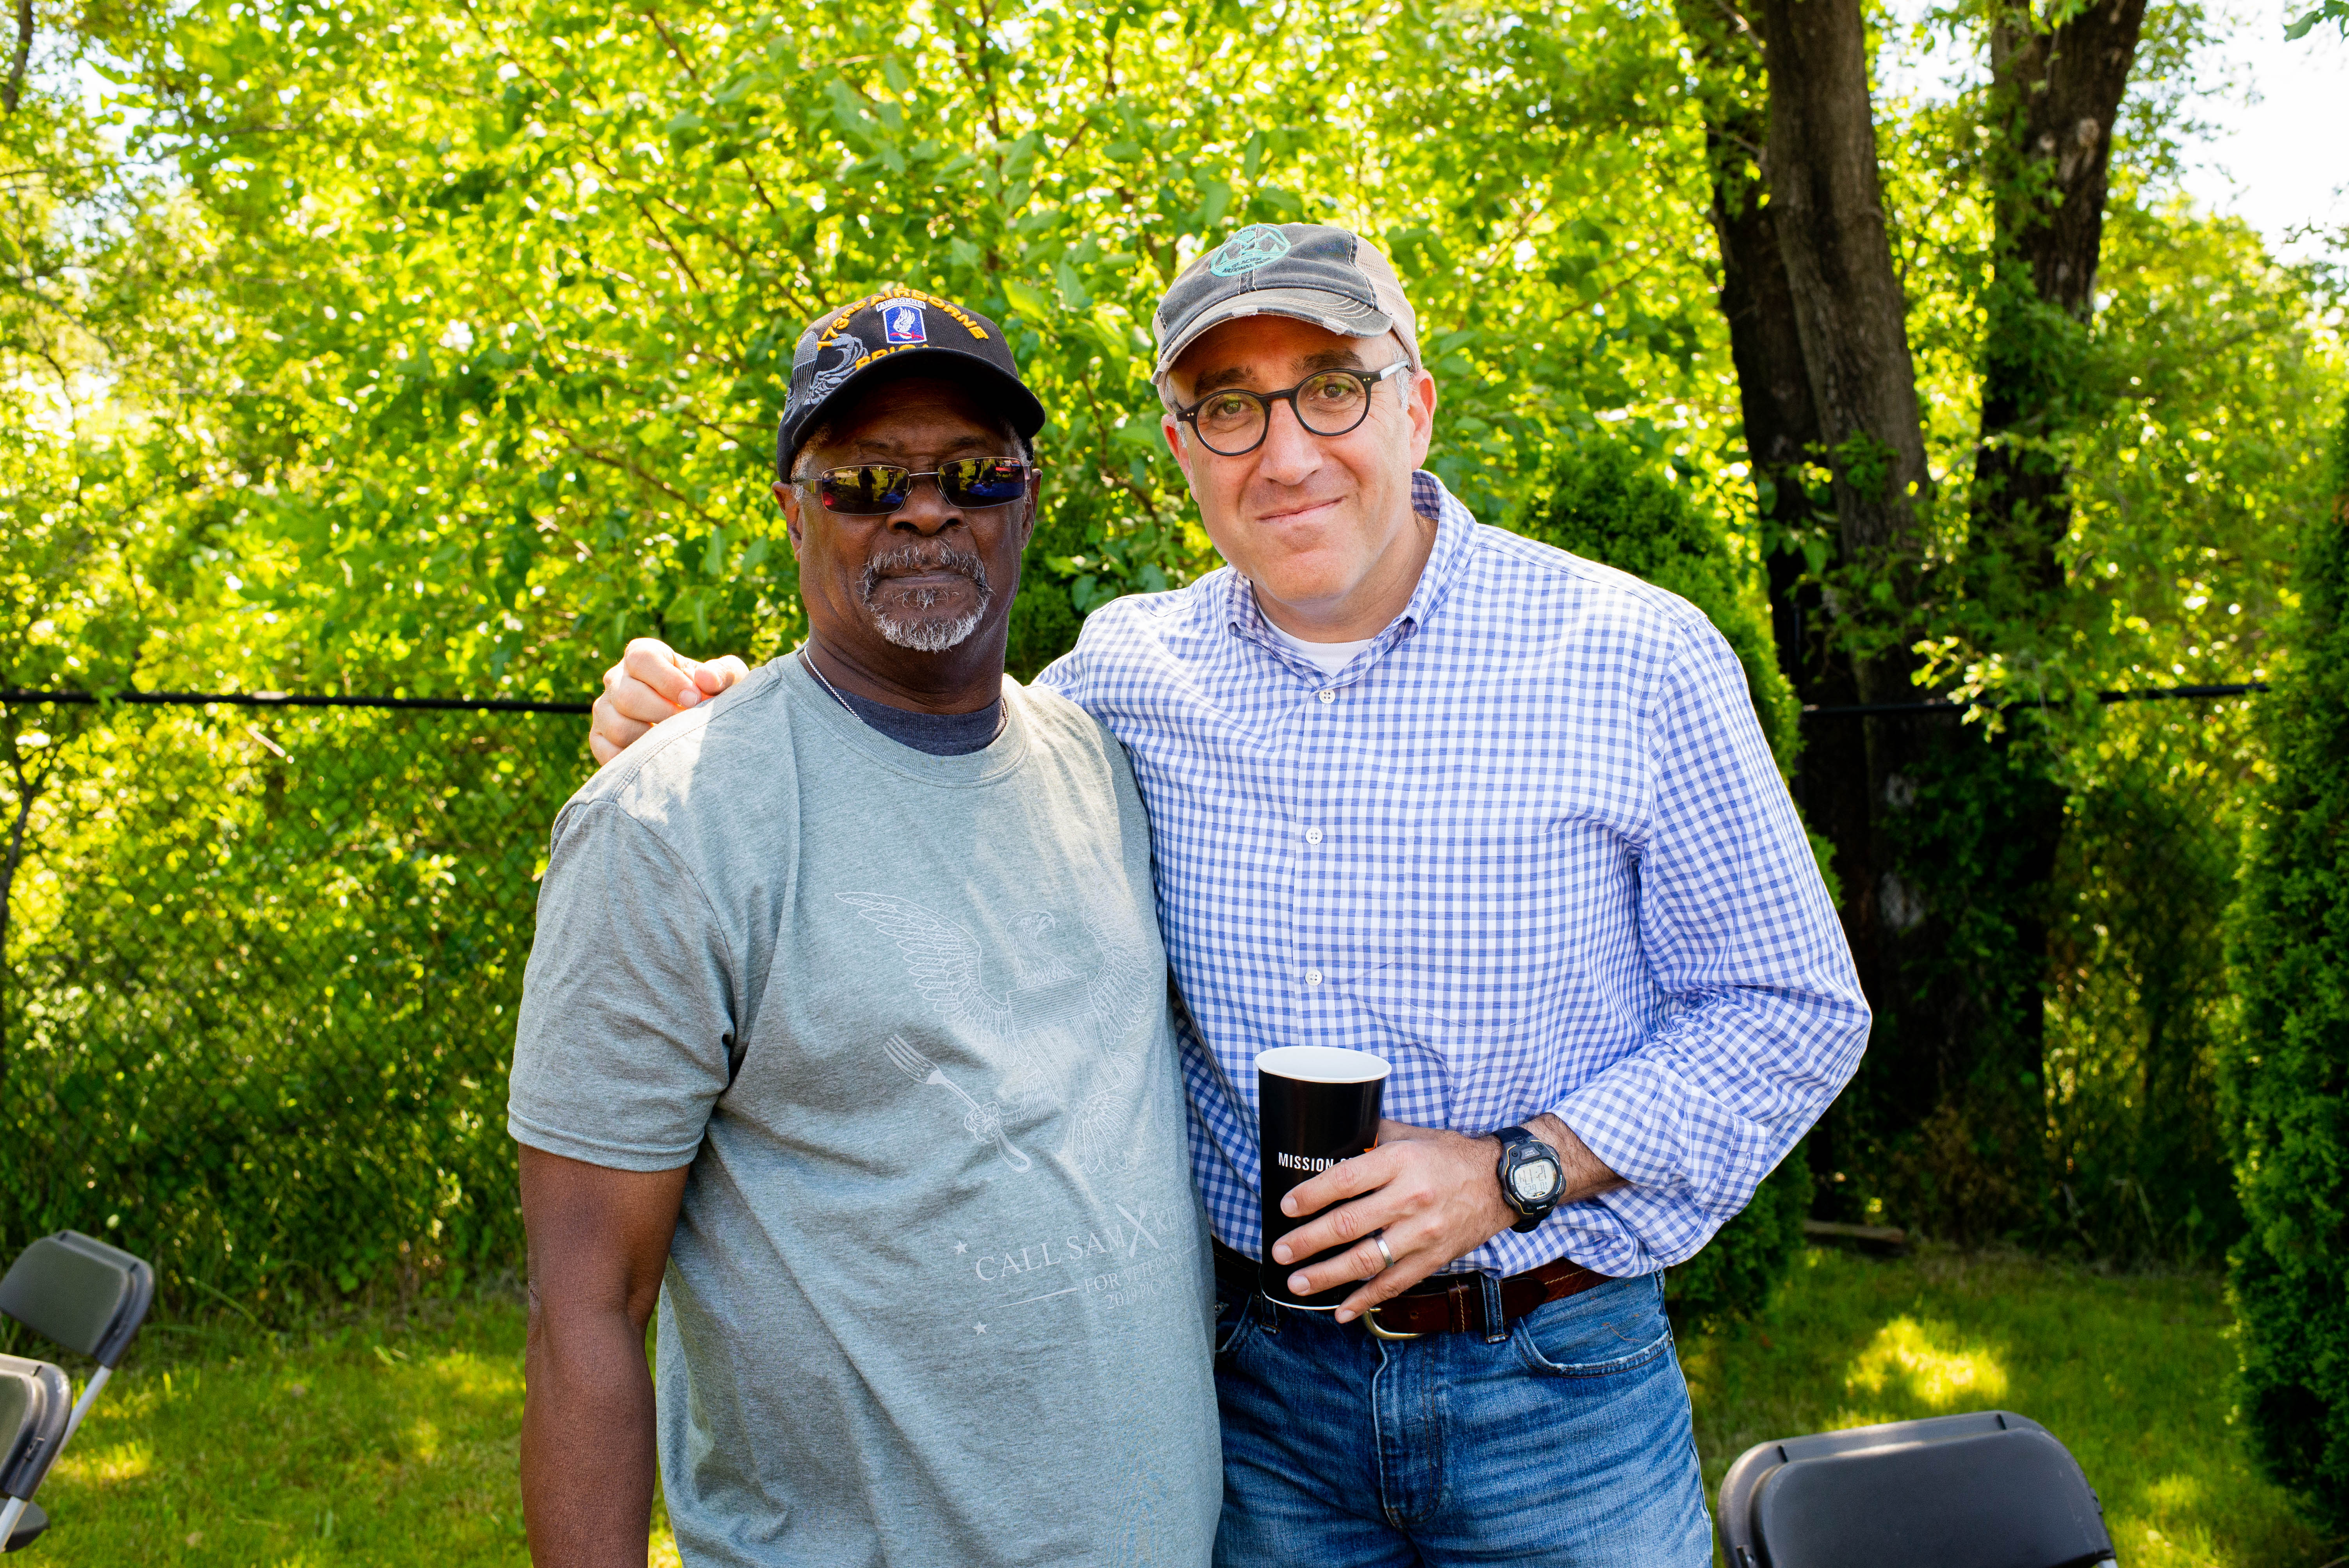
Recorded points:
(509,293)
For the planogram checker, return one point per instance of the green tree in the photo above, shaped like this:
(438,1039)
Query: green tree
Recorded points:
(2330,11)
(433,350)
(504,312)
(2287,1073)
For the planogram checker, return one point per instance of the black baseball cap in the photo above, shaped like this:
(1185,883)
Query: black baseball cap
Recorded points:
(898,330)
(1330,277)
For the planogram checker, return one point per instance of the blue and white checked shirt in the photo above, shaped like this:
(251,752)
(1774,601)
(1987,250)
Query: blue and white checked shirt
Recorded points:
(1529,846)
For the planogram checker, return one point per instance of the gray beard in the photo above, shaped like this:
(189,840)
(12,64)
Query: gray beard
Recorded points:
(925,636)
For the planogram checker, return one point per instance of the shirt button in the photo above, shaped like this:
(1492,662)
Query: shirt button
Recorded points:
(1313,977)
(1328,697)
(1312,835)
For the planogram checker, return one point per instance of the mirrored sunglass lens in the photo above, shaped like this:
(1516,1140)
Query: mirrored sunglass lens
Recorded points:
(1332,403)
(873,487)
(984,481)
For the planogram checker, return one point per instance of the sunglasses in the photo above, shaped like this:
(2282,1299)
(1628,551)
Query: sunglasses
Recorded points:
(875,490)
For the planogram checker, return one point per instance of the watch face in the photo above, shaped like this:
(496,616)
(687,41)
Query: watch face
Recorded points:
(1534,1180)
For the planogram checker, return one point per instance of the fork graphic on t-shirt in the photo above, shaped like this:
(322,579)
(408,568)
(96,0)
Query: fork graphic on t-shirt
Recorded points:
(982,1121)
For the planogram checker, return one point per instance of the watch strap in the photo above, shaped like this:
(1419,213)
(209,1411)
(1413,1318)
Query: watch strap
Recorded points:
(1511,1138)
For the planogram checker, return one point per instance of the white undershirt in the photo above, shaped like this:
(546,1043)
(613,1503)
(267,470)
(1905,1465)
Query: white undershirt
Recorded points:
(1329,657)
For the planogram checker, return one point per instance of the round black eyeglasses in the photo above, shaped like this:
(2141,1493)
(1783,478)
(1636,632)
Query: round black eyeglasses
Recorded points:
(1233,421)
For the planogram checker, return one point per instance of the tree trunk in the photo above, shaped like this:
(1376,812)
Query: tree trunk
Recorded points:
(2055,93)
(1774,385)
(12,91)
(1818,333)
(1819,158)
(1831,304)
(1782,437)
(1827,201)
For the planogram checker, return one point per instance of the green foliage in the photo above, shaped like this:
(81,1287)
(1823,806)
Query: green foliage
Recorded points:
(366,347)
(2213,370)
(2063,869)
(2138,1000)
(263,976)
(1735,1274)
(1605,498)
(437,351)
(1952,1083)
(2330,11)
(504,309)
(2287,1072)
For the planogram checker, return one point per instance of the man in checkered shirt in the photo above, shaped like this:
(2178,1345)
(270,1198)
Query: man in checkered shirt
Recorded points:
(1500,816)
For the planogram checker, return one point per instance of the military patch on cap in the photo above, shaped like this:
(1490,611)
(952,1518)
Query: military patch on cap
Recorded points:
(901,320)
(1258,245)
(892,326)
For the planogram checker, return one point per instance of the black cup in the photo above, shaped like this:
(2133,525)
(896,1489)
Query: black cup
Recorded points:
(1316,1104)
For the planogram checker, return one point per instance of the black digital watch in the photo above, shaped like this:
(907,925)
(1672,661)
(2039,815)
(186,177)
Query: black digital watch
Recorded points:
(1533,1178)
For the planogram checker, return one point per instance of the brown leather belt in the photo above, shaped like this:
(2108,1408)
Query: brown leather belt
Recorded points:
(1442,1304)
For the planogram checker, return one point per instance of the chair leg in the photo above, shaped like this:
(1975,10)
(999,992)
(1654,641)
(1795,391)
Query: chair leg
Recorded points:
(81,1407)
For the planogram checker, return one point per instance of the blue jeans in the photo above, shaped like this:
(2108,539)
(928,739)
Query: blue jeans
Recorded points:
(1567,1443)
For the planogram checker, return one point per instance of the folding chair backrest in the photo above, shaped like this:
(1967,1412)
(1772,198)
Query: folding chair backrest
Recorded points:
(1990,1489)
(35,1401)
(81,1292)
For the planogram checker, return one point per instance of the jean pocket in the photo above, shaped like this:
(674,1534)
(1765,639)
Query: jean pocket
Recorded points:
(1606,1332)
(1234,1317)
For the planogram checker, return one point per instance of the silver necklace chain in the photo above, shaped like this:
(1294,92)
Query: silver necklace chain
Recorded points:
(809,665)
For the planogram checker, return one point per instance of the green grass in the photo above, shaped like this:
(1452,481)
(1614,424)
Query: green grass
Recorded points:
(390,1439)
(2131,1371)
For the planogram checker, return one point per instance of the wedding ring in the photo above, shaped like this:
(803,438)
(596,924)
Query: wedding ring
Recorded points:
(1379,1238)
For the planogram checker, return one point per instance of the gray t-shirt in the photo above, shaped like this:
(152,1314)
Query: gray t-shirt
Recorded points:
(940,1291)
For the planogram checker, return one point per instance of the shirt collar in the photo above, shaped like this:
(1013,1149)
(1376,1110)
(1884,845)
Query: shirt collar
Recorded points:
(1445,559)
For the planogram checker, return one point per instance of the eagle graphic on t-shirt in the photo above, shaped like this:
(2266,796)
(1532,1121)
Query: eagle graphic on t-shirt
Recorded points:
(1057,999)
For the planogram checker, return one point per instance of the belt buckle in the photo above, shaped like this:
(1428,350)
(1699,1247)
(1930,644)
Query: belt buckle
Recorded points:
(1370,1322)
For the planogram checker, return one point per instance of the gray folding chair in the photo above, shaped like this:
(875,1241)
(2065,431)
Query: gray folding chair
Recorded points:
(1989,1490)
(36,1403)
(89,1297)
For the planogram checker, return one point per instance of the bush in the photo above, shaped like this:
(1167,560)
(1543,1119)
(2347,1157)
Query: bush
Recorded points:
(2286,1076)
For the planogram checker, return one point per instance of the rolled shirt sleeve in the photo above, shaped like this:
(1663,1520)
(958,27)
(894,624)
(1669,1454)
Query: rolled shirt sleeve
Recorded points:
(1764,1021)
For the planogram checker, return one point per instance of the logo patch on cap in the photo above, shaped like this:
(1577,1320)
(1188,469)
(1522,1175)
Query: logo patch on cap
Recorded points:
(901,322)
(1258,245)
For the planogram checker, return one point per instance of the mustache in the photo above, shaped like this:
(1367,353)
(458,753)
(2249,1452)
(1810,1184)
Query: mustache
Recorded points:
(915,558)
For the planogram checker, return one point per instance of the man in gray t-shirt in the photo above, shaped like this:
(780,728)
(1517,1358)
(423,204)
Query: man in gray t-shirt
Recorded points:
(846,1032)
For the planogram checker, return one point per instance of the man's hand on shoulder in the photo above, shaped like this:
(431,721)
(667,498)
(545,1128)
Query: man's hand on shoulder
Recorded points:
(653,682)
